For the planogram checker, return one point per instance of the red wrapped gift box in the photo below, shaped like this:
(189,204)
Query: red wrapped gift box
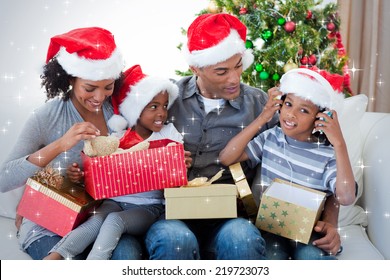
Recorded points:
(156,168)
(59,211)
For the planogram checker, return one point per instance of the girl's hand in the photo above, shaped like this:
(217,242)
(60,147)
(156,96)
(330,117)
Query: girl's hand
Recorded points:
(78,132)
(188,159)
(273,104)
(330,126)
(74,173)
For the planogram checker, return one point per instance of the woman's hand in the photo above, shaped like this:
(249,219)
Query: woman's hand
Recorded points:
(74,173)
(18,221)
(78,132)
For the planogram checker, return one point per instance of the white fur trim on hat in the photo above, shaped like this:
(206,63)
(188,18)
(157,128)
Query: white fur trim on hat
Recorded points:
(228,47)
(88,69)
(310,85)
(142,93)
(117,123)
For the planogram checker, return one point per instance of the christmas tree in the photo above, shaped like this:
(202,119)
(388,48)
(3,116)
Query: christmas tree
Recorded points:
(286,34)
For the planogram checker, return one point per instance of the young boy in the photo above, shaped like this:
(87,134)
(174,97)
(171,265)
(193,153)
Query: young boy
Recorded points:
(143,103)
(295,151)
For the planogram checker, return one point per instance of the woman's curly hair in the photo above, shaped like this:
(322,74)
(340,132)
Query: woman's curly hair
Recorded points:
(57,81)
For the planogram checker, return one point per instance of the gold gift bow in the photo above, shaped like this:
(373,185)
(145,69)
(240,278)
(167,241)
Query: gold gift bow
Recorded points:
(244,190)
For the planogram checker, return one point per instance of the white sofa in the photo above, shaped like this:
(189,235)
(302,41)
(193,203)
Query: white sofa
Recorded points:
(364,227)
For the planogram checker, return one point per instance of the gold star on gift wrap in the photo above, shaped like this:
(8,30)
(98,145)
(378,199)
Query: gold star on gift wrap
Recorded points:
(302,230)
(305,220)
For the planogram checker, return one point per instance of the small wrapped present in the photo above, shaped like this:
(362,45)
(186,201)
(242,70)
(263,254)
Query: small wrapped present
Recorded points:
(290,210)
(59,207)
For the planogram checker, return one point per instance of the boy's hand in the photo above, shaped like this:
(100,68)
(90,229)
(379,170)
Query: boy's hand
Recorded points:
(330,125)
(273,104)
(331,241)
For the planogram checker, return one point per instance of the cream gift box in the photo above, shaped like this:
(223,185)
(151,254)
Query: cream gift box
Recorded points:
(290,210)
(206,202)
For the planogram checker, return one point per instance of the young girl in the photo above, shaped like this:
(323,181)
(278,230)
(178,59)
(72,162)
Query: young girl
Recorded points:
(143,103)
(294,151)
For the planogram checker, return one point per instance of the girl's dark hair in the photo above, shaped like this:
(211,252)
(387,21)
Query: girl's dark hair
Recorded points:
(320,136)
(57,81)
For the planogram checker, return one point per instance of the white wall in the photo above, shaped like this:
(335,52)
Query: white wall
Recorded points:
(146,31)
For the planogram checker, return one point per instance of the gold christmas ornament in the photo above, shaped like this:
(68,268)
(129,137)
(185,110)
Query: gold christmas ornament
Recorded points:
(289,66)
(213,8)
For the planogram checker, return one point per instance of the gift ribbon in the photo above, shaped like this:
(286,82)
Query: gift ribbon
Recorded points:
(244,190)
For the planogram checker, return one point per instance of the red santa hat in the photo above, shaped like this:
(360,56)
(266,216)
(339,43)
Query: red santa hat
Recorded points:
(136,92)
(214,38)
(318,86)
(89,53)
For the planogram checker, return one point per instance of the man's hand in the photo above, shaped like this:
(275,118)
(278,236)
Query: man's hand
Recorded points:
(330,242)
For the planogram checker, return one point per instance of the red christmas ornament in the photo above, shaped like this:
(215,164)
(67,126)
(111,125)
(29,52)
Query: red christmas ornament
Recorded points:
(309,14)
(330,26)
(313,59)
(243,11)
(304,60)
(289,26)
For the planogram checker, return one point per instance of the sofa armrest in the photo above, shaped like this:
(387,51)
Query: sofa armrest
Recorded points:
(376,177)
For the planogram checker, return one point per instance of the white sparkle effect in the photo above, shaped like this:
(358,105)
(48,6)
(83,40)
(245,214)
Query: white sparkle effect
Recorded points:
(380,82)
(354,69)
(39,157)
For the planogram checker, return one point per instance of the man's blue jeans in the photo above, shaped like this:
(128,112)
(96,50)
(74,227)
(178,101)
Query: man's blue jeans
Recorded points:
(230,239)
(280,248)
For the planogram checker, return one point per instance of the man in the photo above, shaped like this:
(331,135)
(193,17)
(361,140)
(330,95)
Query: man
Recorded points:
(213,106)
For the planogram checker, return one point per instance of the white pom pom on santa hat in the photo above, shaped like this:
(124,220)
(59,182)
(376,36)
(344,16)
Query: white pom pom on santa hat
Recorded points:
(214,38)
(89,53)
(136,92)
(318,86)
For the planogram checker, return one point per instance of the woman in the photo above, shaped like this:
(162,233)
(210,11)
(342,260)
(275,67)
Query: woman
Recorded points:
(83,70)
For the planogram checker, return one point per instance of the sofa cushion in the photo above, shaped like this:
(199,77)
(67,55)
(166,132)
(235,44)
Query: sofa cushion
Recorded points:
(9,242)
(9,201)
(356,245)
(353,111)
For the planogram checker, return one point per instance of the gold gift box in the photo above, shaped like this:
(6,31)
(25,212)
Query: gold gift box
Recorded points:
(290,210)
